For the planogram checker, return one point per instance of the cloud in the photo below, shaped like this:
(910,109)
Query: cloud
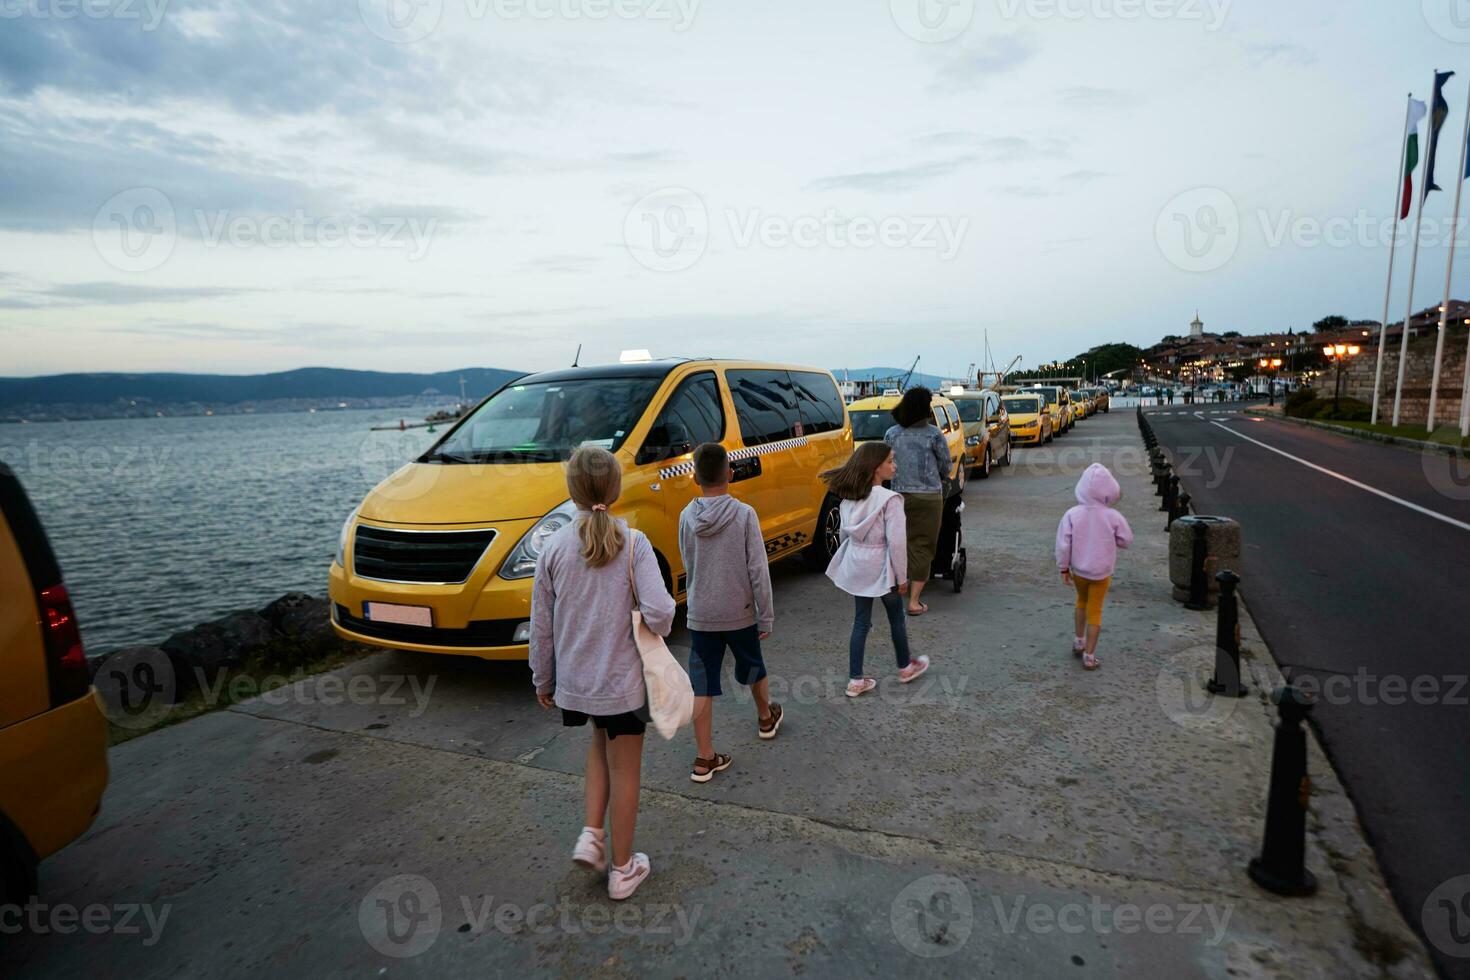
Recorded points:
(267,56)
(996,55)
(897,179)
(1259,54)
(1083,176)
(997,149)
(127,294)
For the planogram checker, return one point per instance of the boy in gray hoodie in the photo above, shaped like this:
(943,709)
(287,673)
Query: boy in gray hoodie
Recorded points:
(729,595)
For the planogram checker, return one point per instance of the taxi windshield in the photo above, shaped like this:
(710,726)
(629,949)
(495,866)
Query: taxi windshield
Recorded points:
(870,426)
(1048,395)
(971,409)
(544,422)
(1022,406)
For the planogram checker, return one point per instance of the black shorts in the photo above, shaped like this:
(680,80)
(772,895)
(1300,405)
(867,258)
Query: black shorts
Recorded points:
(627,723)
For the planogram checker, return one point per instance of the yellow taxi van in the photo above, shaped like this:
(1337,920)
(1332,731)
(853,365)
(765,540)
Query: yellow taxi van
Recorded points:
(873,417)
(440,556)
(53,729)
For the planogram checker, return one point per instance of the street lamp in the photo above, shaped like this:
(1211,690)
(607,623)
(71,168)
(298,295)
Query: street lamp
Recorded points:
(1274,365)
(1339,353)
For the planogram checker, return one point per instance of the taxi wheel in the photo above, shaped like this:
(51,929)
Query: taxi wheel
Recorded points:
(983,470)
(819,553)
(1006,460)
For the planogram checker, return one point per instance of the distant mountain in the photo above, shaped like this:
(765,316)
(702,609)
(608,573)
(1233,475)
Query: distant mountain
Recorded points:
(870,373)
(223,389)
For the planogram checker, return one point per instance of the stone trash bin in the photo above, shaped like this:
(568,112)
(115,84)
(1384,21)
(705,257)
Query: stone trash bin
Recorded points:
(1222,551)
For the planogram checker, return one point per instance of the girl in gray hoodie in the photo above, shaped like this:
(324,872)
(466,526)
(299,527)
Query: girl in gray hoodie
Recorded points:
(584,660)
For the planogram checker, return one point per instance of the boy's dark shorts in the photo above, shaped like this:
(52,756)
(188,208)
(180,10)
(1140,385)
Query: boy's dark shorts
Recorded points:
(627,723)
(707,658)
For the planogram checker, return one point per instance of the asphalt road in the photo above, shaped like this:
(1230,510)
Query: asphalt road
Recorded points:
(1364,597)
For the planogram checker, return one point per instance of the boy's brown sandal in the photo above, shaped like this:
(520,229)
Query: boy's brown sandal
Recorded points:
(769,727)
(710,766)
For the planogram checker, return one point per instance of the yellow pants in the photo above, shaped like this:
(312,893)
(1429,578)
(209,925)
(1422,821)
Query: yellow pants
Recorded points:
(1090,593)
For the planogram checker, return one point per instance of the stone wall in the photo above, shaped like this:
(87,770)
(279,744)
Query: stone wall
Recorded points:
(1357,378)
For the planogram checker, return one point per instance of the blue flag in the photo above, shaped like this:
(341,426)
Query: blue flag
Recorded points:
(1437,116)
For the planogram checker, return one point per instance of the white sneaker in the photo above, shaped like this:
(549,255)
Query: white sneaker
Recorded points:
(860,685)
(623,882)
(591,849)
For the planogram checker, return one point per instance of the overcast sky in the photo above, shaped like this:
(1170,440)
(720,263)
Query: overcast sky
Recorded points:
(250,186)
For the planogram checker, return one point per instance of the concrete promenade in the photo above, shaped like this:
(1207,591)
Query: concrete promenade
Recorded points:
(1008,815)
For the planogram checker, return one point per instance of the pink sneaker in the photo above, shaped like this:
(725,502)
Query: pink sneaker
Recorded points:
(623,882)
(917,666)
(860,685)
(591,849)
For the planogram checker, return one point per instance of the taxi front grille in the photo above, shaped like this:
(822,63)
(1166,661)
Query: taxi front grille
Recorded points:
(418,557)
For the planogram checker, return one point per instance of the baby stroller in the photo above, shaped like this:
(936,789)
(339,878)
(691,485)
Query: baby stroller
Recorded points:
(949,554)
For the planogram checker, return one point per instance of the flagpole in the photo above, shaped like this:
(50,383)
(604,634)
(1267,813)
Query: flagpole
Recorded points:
(1398,195)
(1425,181)
(1444,311)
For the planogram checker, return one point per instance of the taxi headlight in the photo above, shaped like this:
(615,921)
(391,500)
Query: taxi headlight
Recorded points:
(973,440)
(521,562)
(343,538)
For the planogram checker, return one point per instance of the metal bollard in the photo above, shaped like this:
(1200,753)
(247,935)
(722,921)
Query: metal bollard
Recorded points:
(1181,509)
(1171,493)
(1281,867)
(1198,587)
(1161,472)
(1227,640)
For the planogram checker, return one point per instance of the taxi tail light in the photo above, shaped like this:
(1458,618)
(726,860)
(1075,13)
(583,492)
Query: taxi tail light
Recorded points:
(66,663)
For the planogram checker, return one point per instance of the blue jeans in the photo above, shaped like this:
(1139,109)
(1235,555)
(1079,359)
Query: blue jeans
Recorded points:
(862,622)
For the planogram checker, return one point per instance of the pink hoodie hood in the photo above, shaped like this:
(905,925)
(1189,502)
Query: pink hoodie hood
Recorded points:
(1091,533)
(1098,488)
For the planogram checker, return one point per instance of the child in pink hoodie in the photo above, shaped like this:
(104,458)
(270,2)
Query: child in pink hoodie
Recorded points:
(1088,540)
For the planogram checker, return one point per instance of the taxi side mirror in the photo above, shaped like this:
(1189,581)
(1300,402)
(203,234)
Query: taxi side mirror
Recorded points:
(664,442)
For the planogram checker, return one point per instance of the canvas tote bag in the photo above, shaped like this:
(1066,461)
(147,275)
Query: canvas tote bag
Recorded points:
(670,695)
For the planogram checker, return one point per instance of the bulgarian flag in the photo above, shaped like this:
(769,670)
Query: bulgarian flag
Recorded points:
(1417,112)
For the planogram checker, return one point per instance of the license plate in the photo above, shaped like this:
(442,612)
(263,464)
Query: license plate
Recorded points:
(388,612)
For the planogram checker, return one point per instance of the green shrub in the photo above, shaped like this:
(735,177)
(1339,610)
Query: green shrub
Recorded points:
(1299,401)
(1348,410)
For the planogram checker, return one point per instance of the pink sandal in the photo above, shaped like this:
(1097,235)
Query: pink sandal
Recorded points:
(1090,662)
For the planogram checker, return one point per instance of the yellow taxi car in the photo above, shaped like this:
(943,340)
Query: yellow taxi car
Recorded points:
(1031,423)
(1058,405)
(987,429)
(53,729)
(873,417)
(440,556)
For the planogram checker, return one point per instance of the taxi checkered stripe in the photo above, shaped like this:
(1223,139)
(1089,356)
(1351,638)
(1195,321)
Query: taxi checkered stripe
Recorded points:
(687,468)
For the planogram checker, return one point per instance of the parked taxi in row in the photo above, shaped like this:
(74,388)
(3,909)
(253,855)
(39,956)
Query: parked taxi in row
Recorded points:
(873,417)
(1058,401)
(53,730)
(1031,423)
(440,556)
(987,429)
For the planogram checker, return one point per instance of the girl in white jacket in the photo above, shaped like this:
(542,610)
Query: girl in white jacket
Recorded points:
(872,559)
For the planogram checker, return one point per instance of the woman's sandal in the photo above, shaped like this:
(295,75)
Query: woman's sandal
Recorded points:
(710,766)
(1089,662)
(923,608)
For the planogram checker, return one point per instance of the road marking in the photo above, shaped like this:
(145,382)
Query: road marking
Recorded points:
(1349,480)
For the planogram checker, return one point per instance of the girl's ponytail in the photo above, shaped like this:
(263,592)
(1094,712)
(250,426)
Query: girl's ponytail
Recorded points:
(594,482)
